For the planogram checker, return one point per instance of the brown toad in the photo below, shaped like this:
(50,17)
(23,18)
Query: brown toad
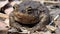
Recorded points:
(29,15)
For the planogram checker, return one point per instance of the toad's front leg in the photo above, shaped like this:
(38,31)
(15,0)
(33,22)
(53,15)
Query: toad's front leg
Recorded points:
(13,23)
(44,20)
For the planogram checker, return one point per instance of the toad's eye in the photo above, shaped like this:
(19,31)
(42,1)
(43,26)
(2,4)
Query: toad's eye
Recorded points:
(29,10)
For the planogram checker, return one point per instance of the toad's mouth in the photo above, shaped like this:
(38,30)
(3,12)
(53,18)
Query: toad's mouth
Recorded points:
(25,18)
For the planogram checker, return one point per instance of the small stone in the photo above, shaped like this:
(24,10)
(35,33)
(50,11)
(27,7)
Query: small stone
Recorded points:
(3,3)
(51,27)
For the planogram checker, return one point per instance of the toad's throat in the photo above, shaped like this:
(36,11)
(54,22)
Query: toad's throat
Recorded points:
(25,18)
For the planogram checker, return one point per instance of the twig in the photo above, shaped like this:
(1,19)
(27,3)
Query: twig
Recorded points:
(54,19)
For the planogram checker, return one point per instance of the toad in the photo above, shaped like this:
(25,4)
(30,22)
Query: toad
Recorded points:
(29,15)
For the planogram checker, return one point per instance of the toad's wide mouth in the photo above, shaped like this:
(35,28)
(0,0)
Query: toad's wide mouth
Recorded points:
(26,18)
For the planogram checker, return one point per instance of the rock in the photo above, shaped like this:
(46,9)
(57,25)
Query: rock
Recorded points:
(4,15)
(3,28)
(52,28)
(7,22)
(57,31)
(9,10)
(3,3)
(41,32)
(15,2)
